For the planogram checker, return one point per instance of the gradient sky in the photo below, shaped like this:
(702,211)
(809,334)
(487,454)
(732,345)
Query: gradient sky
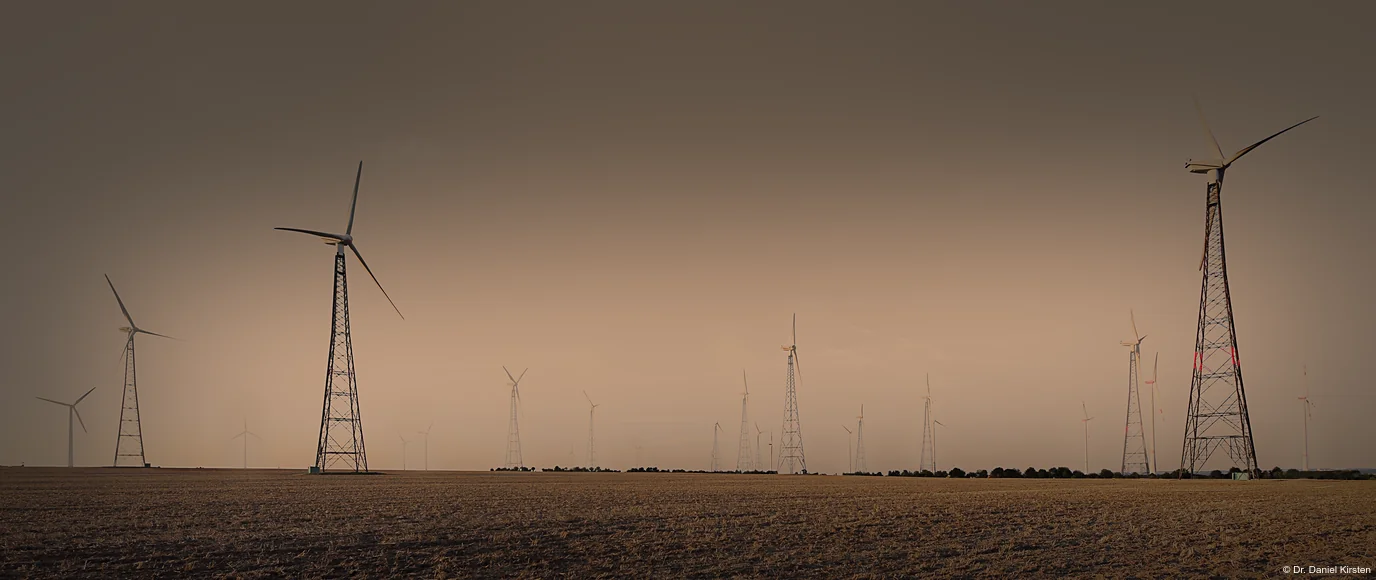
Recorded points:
(632,200)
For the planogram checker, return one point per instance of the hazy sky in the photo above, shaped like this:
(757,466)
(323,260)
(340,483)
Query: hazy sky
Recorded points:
(632,200)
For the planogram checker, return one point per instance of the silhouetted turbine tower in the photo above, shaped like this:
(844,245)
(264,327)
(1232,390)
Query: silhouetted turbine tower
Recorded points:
(860,442)
(403,451)
(129,444)
(743,450)
(791,454)
(927,458)
(341,422)
(1217,412)
(513,433)
(246,434)
(1134,440)
(72,412)
(592,455)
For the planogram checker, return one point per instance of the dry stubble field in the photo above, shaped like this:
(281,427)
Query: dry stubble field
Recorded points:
(162,522)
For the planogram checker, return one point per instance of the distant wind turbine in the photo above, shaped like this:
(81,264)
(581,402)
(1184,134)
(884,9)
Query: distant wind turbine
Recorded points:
(513,434)
(850,443)
(1085,421)
(1308,406)
(716,462)
(759,465)
(592,456)
(935,424)
(246,434)
(426,434)
(71,412)
(403,451)
(860,443)
(1155,410)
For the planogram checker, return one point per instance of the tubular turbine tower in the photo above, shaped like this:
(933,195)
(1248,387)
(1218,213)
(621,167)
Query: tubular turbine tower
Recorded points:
(927,459)
(743,450)
(1135,458)
(1217,413)
(791,451)
(341,423)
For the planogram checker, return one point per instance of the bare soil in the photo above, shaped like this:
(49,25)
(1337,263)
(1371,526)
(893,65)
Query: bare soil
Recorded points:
(100,523)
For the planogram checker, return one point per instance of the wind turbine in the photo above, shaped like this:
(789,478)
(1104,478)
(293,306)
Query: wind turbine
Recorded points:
(860,442)
(513,434)
(743,448)
(928,434)
(341,421)
(850,460)
(592,457)
(792,454)
(130,440)
(935,423)
(1217,414)
(245,434)
(716,463)
(1308,406)
(1155,410)
(771,448)
(1085,421)
(426,434)
(71,412)
(403,451)
(1134,441)
(759,465)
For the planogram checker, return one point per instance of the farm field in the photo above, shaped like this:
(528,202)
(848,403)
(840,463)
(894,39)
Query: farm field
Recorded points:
(101,522)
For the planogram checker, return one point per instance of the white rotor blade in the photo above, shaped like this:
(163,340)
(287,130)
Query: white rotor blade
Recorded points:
(121,301)
(379,284)
(52,401)
(354,204)
(1132,316)
(78,419)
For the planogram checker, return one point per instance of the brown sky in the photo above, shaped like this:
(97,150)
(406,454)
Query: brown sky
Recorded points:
(633,201)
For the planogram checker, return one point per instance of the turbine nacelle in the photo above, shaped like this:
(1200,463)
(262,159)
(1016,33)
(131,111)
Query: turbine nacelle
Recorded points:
(1205,165)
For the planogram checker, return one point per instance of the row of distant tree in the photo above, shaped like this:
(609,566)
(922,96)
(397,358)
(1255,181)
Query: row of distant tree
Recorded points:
(1001,473)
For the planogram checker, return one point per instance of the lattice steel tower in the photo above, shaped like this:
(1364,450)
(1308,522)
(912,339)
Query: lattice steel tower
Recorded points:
(1217,413)
(743,448)
(1134,438)
(129,444)
(791,452)
(340,446)
(513,432)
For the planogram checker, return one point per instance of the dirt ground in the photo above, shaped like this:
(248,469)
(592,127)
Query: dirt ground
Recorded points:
(104,522)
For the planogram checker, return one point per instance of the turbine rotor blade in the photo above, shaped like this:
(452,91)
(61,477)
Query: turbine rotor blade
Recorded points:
(508,374)
(1249,148)
(78,401)
(523,375)
(121,301)
(335,237)
(79,420)
(140,330)
(53,402)
(354,204)
(1132,316)
(379,284)
(1207,133)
